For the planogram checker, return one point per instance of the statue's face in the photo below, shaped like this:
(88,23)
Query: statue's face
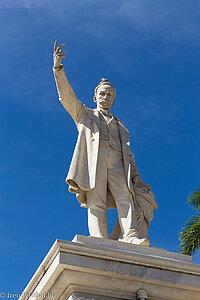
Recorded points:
(105,97)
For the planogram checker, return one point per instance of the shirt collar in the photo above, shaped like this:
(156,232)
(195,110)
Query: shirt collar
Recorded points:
(105,112)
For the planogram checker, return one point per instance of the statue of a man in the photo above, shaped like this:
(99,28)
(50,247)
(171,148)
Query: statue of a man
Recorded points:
(103,173)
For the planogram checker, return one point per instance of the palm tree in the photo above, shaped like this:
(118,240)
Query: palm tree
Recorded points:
(190,233)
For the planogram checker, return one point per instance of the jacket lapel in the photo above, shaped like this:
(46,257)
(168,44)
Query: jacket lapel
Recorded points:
(94,116)
(125,142)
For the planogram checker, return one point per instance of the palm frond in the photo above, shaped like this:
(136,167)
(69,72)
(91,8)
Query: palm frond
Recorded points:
(190,235)
(194,199)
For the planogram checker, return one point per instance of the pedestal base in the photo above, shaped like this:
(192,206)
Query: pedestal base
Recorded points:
(95,268)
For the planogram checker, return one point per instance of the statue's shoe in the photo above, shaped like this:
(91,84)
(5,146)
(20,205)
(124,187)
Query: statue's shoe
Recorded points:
(136,241)
(141,242)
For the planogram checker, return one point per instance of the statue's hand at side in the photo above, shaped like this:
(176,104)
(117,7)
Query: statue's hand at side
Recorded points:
(136,180)
(139,183)
(58,55)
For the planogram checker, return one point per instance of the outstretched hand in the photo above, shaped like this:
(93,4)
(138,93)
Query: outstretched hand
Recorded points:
(58,54)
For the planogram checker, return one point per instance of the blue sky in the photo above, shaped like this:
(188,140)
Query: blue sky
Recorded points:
(150,51)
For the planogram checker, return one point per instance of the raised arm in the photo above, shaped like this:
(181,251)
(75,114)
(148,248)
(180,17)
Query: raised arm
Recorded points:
(65,91)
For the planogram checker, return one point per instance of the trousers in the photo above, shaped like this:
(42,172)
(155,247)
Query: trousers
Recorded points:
(110,175)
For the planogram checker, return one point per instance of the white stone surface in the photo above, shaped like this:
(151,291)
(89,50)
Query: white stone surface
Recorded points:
(96,268)
(103,173)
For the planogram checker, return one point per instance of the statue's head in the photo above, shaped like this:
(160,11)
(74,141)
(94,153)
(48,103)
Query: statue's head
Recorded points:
(104,94)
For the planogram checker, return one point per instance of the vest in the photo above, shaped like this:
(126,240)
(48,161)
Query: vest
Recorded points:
(109,133)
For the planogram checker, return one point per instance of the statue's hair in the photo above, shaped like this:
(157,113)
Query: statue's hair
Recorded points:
(104,81)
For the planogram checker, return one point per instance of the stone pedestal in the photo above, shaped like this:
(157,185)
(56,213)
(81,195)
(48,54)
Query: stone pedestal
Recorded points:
(94,268)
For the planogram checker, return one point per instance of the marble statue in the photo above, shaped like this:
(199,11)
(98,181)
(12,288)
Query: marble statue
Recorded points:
(103,172)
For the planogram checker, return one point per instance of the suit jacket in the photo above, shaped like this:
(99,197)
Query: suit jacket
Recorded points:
(82,172)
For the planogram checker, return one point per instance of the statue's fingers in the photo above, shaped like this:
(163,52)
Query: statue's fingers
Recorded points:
(58,56)
(56,51)
(55,45)
(63,45)
(61,52)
